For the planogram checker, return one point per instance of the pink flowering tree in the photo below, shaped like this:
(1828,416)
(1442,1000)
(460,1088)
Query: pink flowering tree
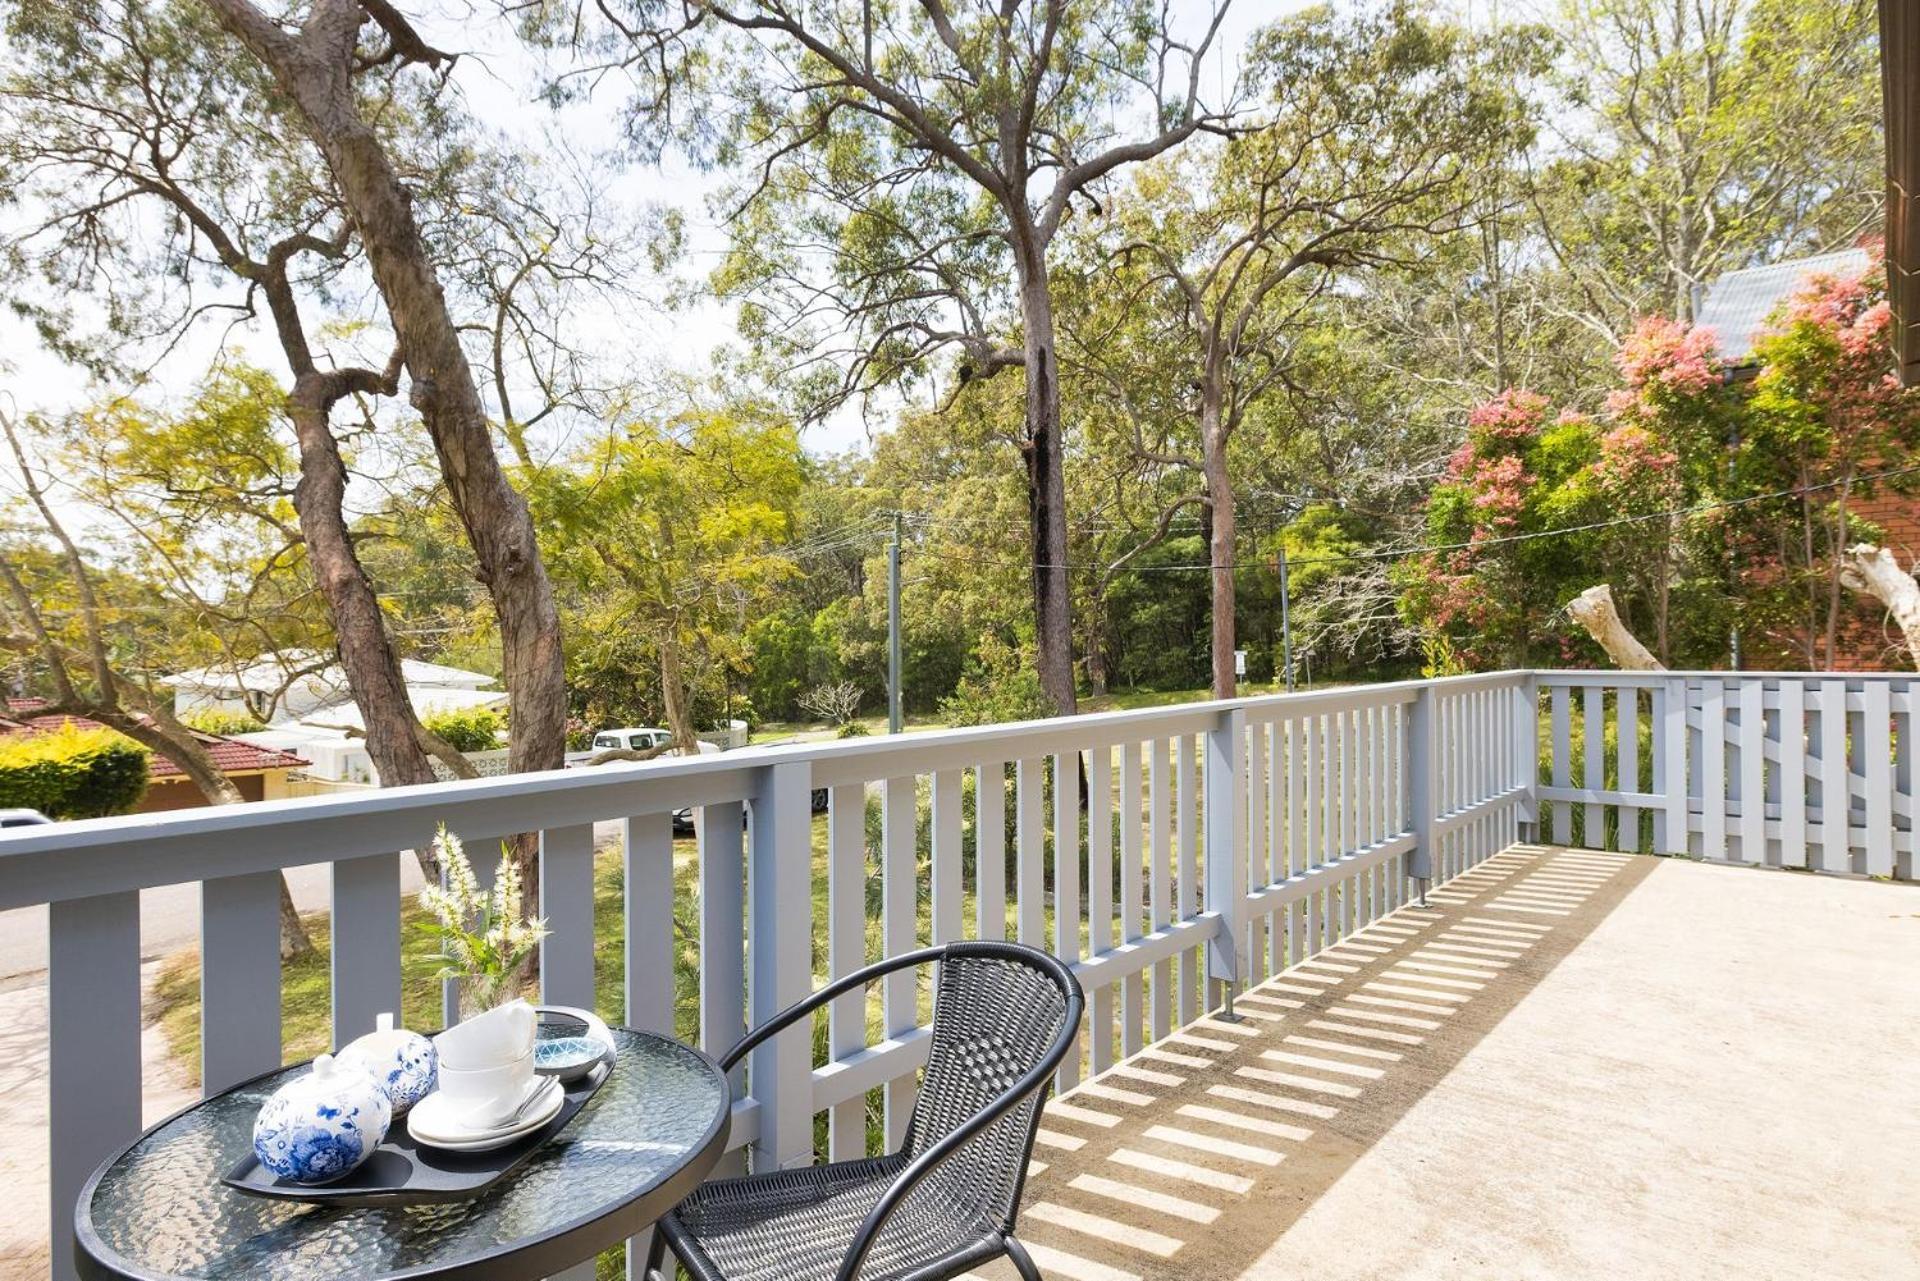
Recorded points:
(1825,418)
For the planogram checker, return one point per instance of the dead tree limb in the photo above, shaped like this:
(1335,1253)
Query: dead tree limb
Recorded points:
(1874,572)
(1593,609)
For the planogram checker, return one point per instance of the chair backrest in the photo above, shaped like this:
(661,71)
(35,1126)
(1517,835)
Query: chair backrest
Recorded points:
(999,1011)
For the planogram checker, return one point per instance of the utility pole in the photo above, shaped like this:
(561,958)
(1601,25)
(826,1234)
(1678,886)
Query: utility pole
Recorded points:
(893,628)
(1286,621)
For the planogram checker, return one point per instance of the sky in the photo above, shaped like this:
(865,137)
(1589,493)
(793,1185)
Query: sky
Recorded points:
(498,80)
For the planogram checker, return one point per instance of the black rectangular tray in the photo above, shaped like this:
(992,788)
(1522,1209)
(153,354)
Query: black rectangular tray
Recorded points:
(404,1172)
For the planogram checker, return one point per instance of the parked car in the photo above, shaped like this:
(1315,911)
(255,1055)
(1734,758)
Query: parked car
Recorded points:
(632,738)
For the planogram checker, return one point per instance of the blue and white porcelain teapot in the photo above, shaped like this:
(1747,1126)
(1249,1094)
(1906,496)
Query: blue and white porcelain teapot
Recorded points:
(405,1063)
(320,1126)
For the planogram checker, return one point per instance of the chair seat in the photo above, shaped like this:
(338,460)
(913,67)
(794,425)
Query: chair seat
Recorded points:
(796,1225)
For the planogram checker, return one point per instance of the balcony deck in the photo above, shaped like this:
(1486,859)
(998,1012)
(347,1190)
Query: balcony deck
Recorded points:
(1576,1064)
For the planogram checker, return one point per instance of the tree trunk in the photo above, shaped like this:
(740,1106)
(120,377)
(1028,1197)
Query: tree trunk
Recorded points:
(673,693)
(1873,571)
(1220,538)
(1593,609)
(1046,487)
(314,67)
(164,734)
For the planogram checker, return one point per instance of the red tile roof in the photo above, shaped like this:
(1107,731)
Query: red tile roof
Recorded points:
(230,754)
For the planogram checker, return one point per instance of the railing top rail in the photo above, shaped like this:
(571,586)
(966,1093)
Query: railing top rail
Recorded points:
(72,860)
(1590,676)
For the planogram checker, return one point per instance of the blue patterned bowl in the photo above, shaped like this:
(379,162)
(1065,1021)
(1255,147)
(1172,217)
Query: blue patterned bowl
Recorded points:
(319,1127)
(405,1063)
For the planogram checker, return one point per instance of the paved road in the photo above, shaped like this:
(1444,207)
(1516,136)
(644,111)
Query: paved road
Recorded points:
(170,917)
(169,921)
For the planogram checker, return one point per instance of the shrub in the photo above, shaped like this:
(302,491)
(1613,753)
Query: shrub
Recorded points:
(852,729)
(474,729)
(1002,685)
(73,773)
(221,721)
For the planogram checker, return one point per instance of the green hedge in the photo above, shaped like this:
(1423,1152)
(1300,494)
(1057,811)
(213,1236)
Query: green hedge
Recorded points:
(477,729)
(72,773)
(214,720)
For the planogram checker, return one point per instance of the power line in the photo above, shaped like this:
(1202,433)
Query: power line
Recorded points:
(1426,549)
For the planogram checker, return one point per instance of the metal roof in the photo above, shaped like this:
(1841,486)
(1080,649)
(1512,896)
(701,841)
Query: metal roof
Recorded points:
(1737,305)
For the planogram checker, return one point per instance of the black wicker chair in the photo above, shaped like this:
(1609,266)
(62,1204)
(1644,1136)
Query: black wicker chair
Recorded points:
(1004,1016)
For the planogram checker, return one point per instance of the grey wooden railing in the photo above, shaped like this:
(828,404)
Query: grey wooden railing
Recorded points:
(1217,843)
(1775,769)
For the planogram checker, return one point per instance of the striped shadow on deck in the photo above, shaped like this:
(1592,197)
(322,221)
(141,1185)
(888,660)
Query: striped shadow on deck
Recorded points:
(1190,1160)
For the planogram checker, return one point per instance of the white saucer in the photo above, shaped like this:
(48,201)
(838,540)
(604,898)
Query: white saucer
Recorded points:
(434,1123)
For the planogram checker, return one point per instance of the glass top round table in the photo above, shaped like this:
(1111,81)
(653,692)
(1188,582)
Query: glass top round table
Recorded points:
(648,1136)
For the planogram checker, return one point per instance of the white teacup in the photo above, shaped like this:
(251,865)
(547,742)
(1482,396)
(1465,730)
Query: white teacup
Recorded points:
(486,1063)
(489,1095)
(501,1035)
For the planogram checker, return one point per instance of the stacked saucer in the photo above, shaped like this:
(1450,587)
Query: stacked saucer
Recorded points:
(439,1122)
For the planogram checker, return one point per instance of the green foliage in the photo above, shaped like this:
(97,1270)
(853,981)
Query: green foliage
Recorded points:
(471,729)
(852,729)
(220,721)
(72,772)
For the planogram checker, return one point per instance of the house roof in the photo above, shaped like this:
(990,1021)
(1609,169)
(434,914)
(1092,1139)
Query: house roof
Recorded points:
(427,700)
(270,673)
(1737,305)
(230,754)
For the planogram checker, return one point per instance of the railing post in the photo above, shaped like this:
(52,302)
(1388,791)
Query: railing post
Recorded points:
(1422,785)
(1226,852)
(1673,835)
(780,962)
(1526,716)
(93,1047)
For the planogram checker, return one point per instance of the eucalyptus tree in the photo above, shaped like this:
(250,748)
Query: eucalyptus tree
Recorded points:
(1373,128)
(182,161)
(64,622)
(910,166)
(1701,137)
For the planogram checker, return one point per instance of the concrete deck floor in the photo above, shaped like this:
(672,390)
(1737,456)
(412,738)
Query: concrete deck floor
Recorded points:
(1576,1065)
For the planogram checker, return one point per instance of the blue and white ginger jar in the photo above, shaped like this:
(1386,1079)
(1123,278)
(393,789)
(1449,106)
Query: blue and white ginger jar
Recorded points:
(319,1127)
(405,1063)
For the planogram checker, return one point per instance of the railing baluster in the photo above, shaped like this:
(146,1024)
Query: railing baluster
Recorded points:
(948,907)
(1159,856)
(365,952)
(899,932)
(566,901)
(1793,774)
(1066,881)
(1132,987)
(239,979)
(723,971)
(780,898)
(1713,769)
(1835,854)
(1752,761)
(1030,851)
(647,893)
(1100,900)
(1186,899)
(1593,763)
(1277,837)
(1258,855)
(1562,767)
(990,849)
(93,1046)
(1627,731)
(1876,739)
(847,952)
